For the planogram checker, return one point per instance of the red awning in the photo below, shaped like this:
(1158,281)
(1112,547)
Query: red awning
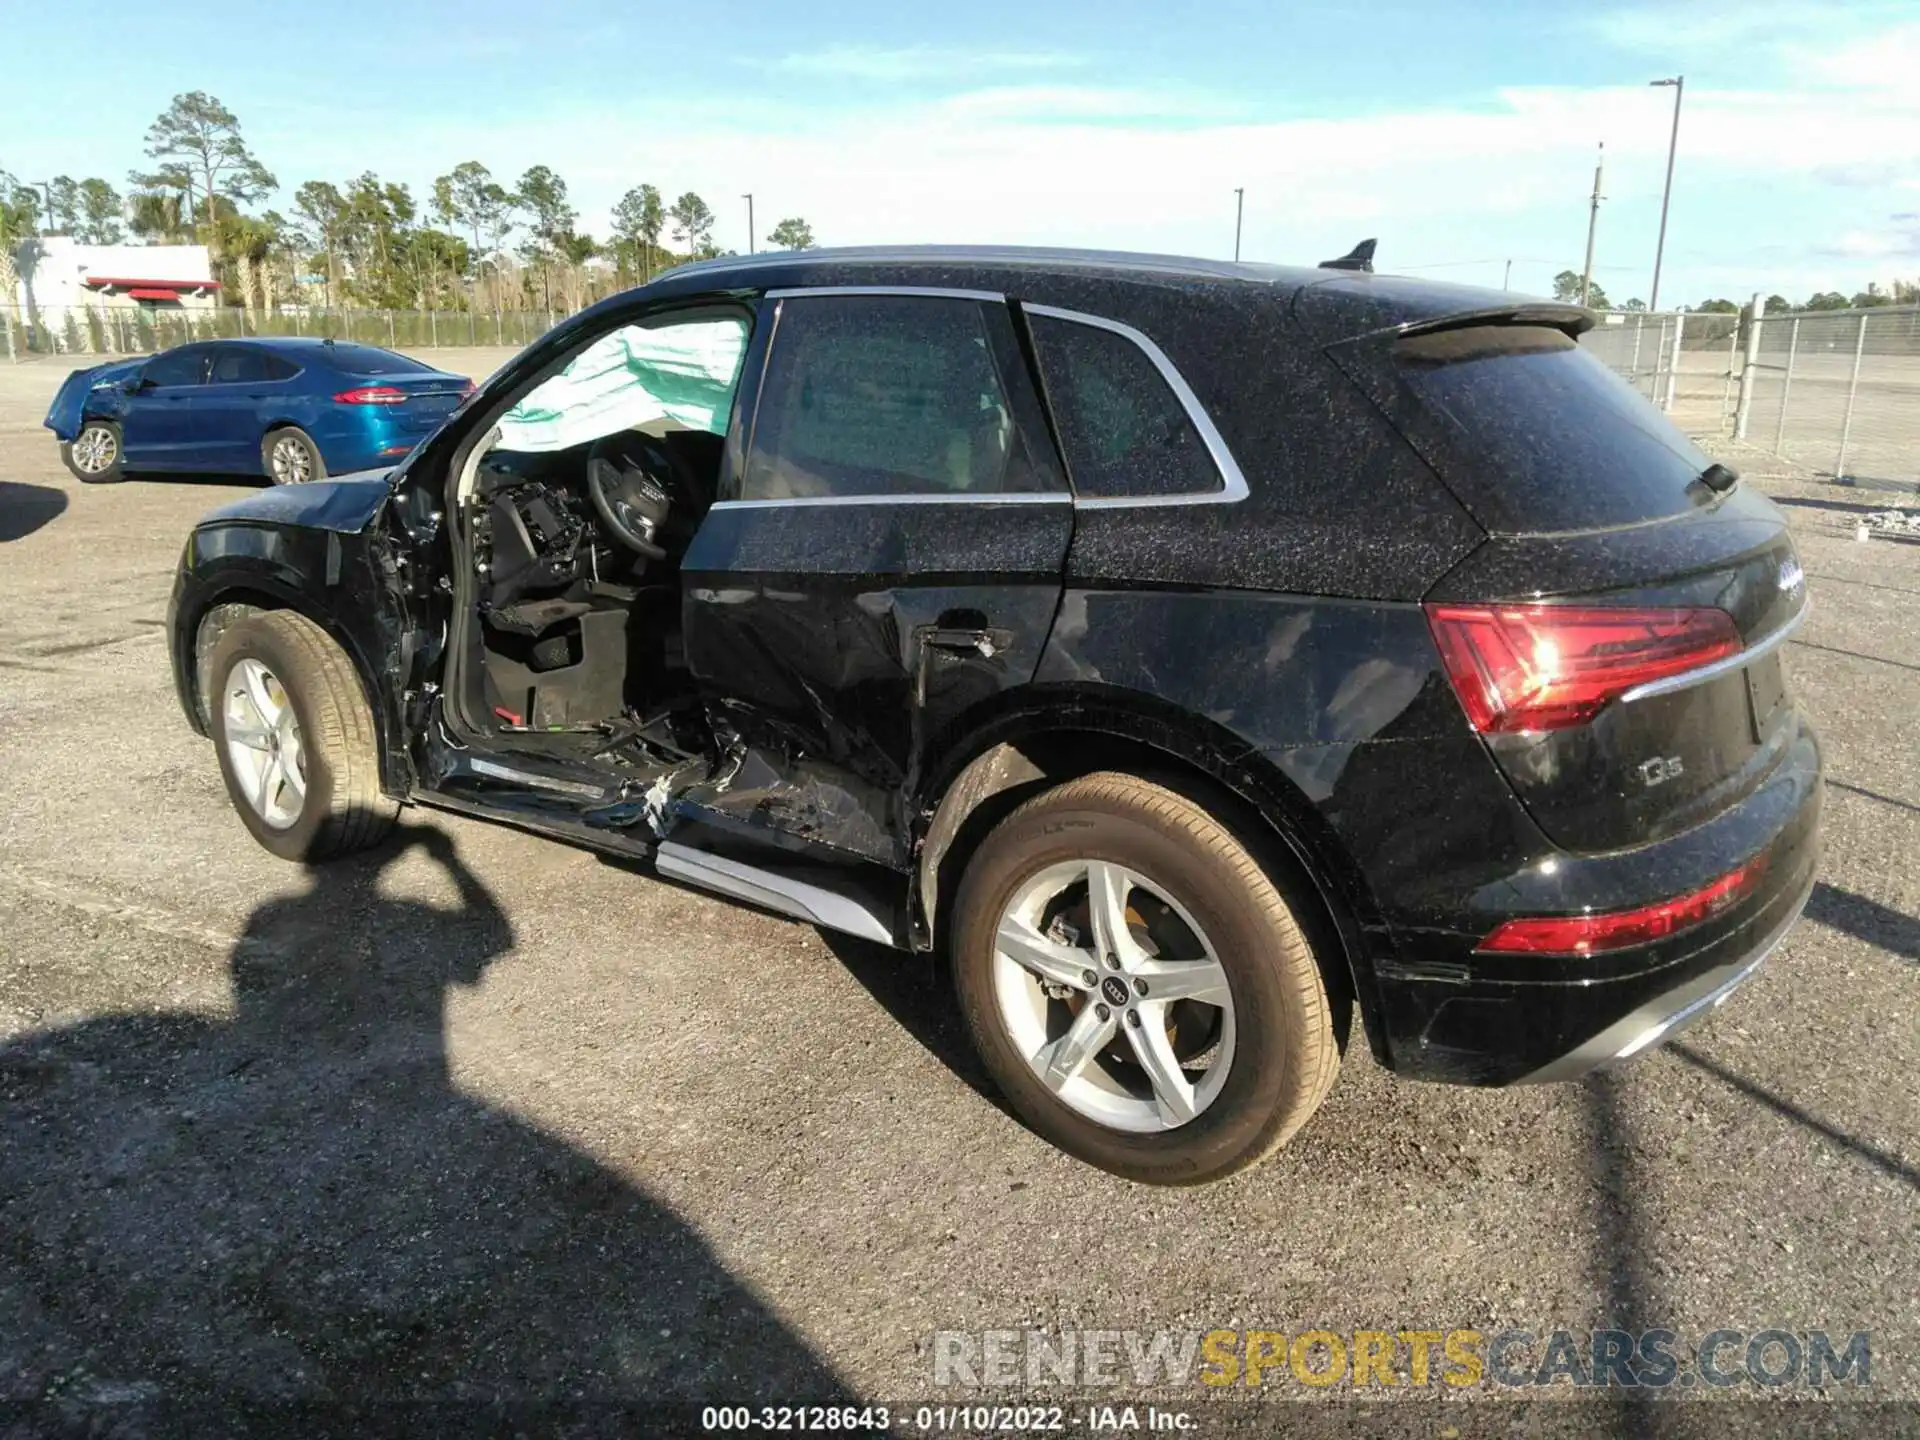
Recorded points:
(172,287)
(154,294)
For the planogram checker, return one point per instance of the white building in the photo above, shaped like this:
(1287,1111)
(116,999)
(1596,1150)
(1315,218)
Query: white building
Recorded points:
(60,277)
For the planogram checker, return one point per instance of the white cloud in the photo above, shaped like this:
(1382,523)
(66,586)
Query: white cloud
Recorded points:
(1769,181)
(1732,29)
(916,62)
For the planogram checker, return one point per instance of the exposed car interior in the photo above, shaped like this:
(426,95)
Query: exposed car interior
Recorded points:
(576,510)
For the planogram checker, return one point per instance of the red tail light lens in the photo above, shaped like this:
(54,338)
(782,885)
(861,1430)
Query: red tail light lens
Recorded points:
(1586,934)
(372,395)
(1546,667)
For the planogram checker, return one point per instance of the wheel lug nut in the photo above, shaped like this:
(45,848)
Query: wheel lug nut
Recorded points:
(1103,1012)
(1133,1018)
(1090,977)
(1139,987)
(1113,962)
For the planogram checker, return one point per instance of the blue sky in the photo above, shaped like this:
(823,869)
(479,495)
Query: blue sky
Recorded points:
(1462,134)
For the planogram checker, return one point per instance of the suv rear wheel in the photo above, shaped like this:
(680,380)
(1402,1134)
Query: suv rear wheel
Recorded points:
(1137,985)
(296,740)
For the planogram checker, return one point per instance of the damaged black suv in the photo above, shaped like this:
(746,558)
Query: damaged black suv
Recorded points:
(1193,653)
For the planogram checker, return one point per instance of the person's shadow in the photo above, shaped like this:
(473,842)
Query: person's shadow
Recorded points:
(298,1203)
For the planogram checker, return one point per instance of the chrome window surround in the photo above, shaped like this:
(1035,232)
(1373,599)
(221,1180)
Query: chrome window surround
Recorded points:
(1687,679)
(924,291)
(1233,483)
(1007,497)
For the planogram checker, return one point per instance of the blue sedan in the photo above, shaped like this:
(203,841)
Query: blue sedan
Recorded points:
(287,409)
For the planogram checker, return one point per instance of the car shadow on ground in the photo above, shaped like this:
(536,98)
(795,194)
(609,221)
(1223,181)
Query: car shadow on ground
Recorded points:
(1892,930)
(296,1203)
(26,508)
(917,992)
(190,477)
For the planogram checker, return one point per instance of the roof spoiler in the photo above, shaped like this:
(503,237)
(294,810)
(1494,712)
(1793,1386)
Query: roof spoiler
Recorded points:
(1358,258)
(1576,320)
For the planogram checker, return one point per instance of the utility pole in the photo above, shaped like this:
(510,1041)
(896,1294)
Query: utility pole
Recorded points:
(45,227)
(1239,209)
(749,199)
(1593,223)
(1679,84)
(1506,280)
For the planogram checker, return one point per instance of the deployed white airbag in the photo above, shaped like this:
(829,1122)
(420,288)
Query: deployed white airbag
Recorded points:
(682,373)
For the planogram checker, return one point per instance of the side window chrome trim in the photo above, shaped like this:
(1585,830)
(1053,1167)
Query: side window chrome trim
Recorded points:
(928,291)
(1000,497)
(1233,483)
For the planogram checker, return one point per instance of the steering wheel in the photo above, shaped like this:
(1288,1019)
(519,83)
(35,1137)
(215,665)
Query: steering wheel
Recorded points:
(632,480)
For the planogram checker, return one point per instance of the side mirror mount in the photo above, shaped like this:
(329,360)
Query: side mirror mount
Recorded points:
(137,385)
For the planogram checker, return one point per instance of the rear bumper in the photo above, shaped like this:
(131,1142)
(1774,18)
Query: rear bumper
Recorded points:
(1668,1014)
(1453,1014)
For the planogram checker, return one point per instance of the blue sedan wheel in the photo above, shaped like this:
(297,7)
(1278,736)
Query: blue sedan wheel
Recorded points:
(94,454)
(290,457)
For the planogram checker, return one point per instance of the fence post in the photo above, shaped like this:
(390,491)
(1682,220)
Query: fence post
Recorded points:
(1673,364)
(1853,389)
(1749,370)
(390,340)
(1786,387)
(433,327)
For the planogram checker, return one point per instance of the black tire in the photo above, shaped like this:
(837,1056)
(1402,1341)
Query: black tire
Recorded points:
(1285,1055)
(316,467)
(98,432)
(344,809)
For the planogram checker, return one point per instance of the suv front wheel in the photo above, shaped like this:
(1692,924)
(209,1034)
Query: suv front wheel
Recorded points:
(1137,985)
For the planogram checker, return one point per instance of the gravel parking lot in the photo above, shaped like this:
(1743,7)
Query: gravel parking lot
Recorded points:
(486,1117)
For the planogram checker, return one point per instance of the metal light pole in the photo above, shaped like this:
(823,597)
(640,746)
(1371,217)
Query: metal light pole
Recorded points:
(749,199)
(1679,84)
(1239,209)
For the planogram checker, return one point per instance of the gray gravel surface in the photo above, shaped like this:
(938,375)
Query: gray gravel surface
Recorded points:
(486,1116)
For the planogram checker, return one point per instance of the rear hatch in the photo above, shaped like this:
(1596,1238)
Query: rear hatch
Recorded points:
(1616,639)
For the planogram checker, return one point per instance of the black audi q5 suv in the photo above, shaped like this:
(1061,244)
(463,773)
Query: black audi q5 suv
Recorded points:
(1196,655)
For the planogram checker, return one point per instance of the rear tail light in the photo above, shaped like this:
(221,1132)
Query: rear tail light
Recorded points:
(1546,667)
(372,395)
(1616,930)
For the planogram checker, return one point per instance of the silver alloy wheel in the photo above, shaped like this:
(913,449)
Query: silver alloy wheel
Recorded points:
(1097,999)
(94,450)
(292,465)
(263,744)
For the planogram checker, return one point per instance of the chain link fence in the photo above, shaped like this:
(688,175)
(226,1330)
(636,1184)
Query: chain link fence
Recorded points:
(1838,391)
(124,330)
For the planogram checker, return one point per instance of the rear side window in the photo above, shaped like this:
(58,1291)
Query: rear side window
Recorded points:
(369,360)
(1125,433)
(1551,439)
(239,367)
(186,366)
(869,395)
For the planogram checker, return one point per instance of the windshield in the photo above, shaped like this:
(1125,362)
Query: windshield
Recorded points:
(679,372)
(1555,441)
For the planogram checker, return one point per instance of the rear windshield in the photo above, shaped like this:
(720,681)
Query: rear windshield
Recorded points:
(1553,439)
(366,360)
